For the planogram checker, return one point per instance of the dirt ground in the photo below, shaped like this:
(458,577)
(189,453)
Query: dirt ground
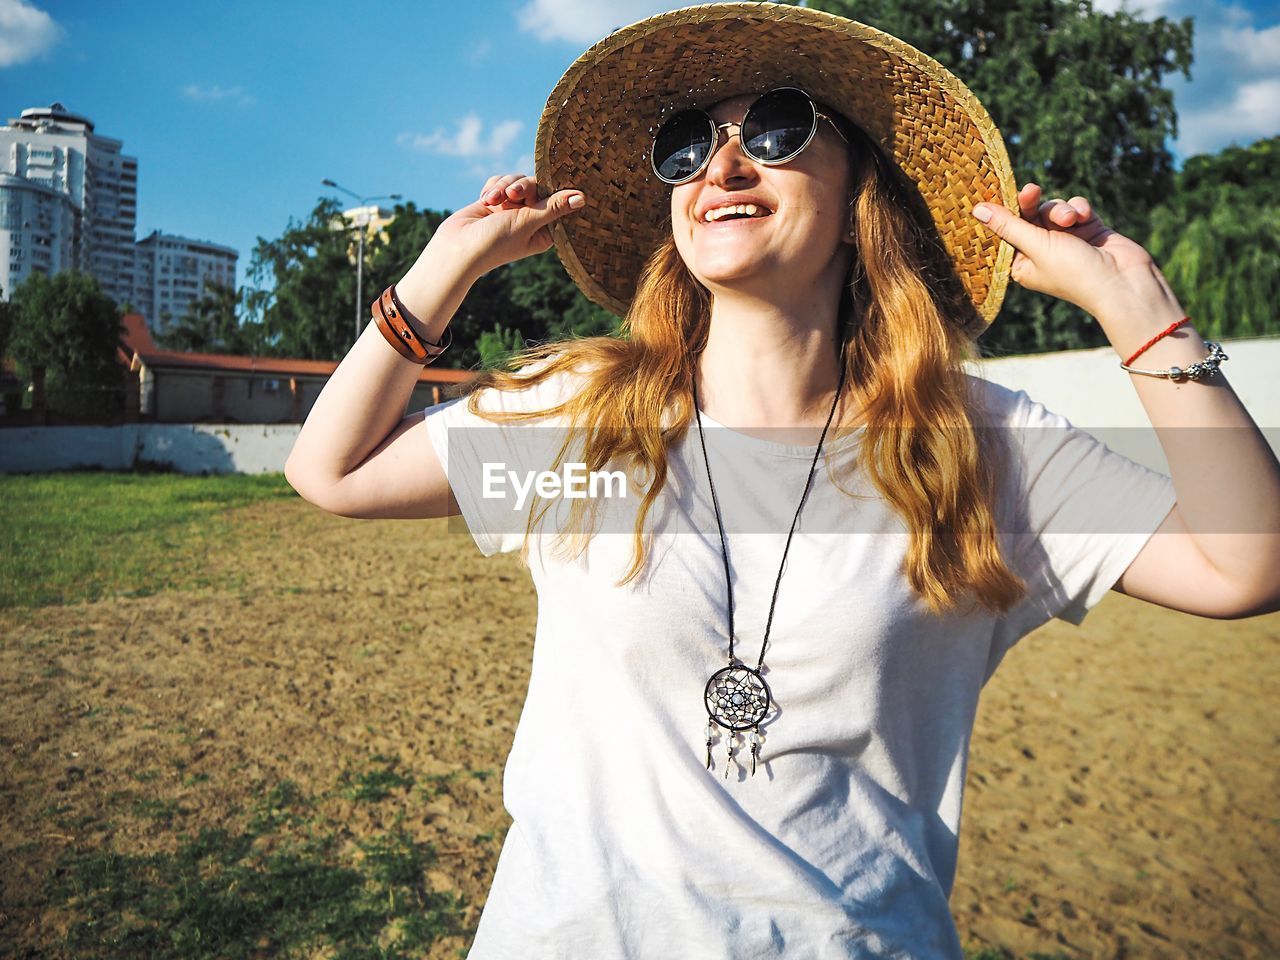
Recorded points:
(1122,780)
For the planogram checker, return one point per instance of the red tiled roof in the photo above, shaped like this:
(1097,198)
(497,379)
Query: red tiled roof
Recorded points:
(136,334)
(138,348)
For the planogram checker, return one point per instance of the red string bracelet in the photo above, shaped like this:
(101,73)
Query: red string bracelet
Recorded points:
(1163,333)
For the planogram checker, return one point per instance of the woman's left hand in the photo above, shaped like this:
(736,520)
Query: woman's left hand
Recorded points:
(1065,250)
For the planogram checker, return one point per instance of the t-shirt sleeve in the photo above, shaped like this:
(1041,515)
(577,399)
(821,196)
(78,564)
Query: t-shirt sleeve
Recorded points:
(489,463)
(1077,513)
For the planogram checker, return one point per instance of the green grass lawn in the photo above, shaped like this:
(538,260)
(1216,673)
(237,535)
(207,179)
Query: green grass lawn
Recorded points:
(56,530)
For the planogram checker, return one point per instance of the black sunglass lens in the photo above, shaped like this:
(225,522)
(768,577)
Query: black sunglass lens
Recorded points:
(682,145)
(778,125)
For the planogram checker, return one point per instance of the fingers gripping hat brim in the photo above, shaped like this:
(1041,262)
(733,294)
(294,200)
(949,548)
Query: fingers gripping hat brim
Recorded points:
(595,132)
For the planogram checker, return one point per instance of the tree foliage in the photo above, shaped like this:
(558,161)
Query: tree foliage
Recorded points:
(305,307)
(1217,240)
(8,313)
(1078,96)
(497,345)
(66,324)
(213,325)
(306,286)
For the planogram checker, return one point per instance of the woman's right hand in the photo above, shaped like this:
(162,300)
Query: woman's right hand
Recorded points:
(508,222)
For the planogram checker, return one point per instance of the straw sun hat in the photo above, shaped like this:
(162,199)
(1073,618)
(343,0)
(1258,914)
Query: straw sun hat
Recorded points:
(595,132)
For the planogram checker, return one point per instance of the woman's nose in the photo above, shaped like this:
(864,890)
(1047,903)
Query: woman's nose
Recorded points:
(729,163)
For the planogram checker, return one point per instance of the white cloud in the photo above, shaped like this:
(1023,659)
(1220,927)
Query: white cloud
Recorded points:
(469,140)
(25,32)
(1253,112)
(193,91)
(1259,49)
(1147,9)
(1235,81)
(585,21)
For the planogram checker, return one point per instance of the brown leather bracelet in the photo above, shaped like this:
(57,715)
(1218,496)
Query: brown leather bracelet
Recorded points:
(397,332)
(391,318)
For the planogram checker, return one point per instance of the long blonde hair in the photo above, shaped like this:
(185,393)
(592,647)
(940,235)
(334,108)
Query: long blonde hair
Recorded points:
(903,365)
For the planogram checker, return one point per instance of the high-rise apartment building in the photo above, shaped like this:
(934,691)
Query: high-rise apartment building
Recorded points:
(37,231)
(172,273)
(52,148)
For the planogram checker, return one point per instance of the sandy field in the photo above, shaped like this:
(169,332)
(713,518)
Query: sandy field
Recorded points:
(1122,784)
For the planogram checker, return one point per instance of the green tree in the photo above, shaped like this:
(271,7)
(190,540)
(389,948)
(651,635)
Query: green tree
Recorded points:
(1079,98)
(8,310)
(406,236)
(497,345)
(303,303)
(1217,240)
(212,325)
(306,287)
(555,307)
(66,324)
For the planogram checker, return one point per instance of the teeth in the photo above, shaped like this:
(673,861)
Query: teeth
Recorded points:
(719,213)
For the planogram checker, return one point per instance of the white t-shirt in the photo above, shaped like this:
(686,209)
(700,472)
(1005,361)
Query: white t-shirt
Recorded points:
(622,843)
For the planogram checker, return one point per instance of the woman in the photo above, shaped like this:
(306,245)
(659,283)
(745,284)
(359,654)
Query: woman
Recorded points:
(874,597)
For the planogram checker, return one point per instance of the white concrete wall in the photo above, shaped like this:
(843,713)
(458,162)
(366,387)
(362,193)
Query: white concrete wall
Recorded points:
(1089,389)
(1085,386)
(188,448)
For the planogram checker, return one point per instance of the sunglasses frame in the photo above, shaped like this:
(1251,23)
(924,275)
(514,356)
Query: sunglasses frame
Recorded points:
(717,127)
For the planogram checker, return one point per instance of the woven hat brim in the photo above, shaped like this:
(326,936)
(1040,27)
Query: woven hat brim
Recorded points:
(595,132)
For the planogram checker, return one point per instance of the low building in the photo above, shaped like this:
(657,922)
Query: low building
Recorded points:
(177,387)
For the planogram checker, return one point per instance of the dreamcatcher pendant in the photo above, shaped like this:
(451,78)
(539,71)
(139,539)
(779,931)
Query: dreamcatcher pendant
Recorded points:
(737,698)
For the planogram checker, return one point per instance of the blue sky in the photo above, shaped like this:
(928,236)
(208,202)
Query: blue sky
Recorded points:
(236,110)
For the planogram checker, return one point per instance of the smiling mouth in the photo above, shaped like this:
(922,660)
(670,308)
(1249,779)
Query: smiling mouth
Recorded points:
(742,211)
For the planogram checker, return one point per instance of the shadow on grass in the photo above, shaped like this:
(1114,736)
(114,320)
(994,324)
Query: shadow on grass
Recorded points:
(279,888)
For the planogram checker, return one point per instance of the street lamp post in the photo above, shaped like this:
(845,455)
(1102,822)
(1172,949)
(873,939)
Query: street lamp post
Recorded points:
(362,226)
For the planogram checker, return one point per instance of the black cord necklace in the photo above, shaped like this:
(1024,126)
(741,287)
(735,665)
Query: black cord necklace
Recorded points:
(736,696)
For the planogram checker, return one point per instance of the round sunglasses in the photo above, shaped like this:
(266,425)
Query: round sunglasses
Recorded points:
(774,129)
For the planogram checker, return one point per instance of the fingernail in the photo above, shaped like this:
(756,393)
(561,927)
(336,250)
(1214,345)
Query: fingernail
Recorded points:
(577,200)
(982,213)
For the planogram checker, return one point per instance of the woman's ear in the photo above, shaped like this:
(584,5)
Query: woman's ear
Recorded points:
(850,235)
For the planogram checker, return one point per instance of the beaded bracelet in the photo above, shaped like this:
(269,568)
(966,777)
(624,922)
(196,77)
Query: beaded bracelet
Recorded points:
(392,320)
(1201,368)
